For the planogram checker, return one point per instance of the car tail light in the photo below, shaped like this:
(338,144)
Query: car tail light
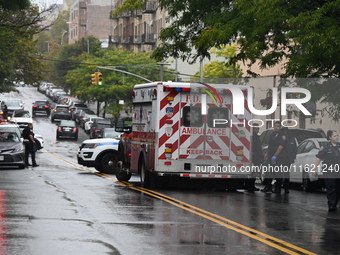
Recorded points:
(75,130)
(97,130)
(46,106)
(60,129)
(34,106)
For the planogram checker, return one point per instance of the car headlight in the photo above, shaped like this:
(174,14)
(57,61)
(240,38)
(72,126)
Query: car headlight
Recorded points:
(91,145)
(18,149)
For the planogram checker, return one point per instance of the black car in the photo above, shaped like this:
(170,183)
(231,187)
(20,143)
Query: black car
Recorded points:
(98,126)
(61,112)
(67,129)
(41,106)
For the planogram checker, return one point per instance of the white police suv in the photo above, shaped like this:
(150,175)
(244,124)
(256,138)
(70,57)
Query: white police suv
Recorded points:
(101,153)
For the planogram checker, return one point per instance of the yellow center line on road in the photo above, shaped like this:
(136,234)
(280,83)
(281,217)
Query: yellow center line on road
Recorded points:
(252,233)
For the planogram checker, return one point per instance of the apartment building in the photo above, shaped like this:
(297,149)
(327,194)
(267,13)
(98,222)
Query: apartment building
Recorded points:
(137,30)
(89,17)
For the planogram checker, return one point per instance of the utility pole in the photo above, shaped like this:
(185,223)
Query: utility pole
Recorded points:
(162,70)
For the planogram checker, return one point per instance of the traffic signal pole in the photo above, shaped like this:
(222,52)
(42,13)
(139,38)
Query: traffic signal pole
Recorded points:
(121,71)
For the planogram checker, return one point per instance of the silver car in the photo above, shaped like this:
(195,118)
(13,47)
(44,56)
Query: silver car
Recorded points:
(300,171)
(12,152)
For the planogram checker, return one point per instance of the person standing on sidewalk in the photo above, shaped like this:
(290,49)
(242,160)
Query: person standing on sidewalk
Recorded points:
(29,143)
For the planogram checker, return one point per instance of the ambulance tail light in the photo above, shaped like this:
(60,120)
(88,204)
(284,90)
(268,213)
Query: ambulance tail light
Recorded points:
(175,89)
(239,153)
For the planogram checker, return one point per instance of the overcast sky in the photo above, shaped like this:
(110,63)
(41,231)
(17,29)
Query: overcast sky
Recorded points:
(46,3)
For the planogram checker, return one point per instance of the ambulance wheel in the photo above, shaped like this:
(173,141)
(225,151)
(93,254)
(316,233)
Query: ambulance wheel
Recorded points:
(121,174)
(144,176)
(108,163)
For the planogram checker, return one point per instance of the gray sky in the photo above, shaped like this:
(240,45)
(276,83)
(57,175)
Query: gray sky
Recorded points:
(46,3)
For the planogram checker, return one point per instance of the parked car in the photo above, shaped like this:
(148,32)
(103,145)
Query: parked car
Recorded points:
(57,94)
(60,112)
(76,111)
(98,126)
(22,118)
(11,106)
(300,171)
(62,97)
(41,106)
(39,142)
(50,89)
(82,113)
(110,133)
(88,124)
(10,127)
(86,117)
(75,105)
(67,129)
(298,133)
(12,152)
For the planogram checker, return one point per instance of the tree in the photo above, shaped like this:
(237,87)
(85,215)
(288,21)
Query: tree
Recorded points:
(116,85)
(301,33)
(219,70)
(18,54)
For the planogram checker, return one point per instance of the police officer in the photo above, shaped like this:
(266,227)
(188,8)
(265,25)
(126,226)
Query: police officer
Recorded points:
(28,136)
(330,154)
(275,156)
(257,158)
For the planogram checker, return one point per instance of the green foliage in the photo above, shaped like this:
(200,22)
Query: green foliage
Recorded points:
(18,60)
(217,71)
(304,33)
(116,85)
(14,5)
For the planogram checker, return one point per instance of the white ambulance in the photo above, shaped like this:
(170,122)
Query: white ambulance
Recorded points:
(186,130)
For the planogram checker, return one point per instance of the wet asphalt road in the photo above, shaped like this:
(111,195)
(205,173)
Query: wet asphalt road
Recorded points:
(61,207)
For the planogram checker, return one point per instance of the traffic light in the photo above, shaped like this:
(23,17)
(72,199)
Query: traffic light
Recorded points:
(100,78)
(94,79)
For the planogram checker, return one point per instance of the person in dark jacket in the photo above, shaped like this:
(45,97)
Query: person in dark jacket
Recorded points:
(29,142)
(330,154)
(274,156)
(5,112)
(257,159)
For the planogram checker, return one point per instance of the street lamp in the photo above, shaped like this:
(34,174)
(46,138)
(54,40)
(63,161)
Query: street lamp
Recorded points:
(62,37)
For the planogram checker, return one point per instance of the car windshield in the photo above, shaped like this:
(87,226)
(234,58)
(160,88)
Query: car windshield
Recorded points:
(67,123)
(6,137)
(40,103)
(323,143)
(104,125)
(12,103)
(111,134)
(22,115)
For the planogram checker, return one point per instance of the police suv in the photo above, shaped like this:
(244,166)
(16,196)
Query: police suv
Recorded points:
(102,154)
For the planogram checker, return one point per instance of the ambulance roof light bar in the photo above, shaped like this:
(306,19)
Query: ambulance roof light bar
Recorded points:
(175,89)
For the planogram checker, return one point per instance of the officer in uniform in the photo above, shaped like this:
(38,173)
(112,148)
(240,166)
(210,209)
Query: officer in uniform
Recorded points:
(29,142)
(275,156)
(330,154)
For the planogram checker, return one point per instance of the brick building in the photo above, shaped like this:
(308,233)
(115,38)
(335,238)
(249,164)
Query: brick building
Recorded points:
(89,17)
